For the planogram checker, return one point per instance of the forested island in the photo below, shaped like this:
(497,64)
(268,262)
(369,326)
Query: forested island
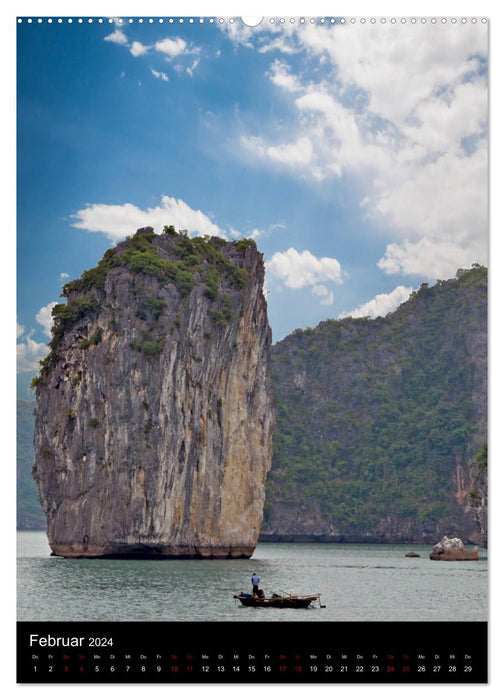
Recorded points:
(382,424)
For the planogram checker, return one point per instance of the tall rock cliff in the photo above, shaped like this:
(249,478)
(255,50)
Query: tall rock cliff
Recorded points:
(379,422)
(154,410)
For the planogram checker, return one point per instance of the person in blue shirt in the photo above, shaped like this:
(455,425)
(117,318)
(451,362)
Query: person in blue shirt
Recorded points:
(255,584)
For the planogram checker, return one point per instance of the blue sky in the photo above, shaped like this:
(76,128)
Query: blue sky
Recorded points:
(357,164)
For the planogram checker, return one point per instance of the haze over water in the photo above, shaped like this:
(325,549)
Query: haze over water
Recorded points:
(358,582)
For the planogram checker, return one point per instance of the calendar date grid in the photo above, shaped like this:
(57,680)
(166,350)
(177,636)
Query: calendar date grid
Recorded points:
(327,663)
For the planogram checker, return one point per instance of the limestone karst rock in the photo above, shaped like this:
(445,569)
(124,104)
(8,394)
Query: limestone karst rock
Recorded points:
(452,549)
(154,408)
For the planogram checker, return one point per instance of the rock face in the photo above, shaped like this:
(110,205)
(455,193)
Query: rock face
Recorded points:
(452,549)
(154,409)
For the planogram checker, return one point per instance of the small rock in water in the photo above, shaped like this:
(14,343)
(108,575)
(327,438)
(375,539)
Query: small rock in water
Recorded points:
(452,549)
(412,554)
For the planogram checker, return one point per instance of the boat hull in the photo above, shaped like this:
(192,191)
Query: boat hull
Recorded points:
(277,602)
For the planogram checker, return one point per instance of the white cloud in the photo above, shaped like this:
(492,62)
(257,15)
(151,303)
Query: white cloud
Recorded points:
(256,232)
(443,121)
(379,59)
(294,154)
(327,297)
(178,48)
(44,317)
(138,49)
(281,75)
(428,258)
(381,305)
(278,44)
(442,210)
(190,70)
(268,37)
(298,153)
(171,47)
(117,37)
(343,140)
(409,125)
(238,33)
(117,221)
(253,145)
(160,75)
(29,353)
(297,270)
(64,276)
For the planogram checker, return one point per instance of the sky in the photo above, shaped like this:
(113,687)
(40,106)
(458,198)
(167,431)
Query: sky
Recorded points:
(355,154)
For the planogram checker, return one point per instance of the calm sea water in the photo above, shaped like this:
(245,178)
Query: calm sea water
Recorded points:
(357,583)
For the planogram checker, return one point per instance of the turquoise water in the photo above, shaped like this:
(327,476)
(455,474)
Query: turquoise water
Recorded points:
(357,582)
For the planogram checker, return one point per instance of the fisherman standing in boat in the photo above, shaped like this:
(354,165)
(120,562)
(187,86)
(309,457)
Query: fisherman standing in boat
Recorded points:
(255,584)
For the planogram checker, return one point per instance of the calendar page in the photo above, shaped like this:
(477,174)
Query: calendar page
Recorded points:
(252,349)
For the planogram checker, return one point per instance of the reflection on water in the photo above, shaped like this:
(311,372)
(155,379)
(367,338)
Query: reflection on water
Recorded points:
(357,582)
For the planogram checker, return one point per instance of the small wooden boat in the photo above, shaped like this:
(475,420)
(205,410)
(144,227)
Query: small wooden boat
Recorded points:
(278,601)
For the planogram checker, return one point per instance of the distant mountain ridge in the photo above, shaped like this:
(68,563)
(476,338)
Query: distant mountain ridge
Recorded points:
(29,512)
(379,421)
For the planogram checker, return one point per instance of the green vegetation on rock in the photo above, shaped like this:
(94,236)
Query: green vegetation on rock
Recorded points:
(185,262)
(150,308)
(147,344)
(189,257)
(373,416)
(66,315)
(95,339)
